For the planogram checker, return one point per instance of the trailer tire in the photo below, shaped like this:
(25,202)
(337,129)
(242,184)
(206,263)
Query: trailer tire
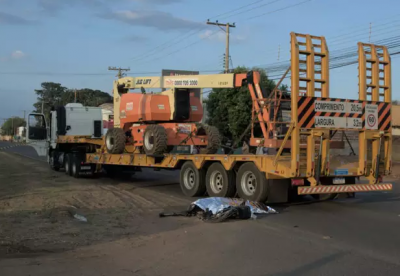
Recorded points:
(155,140)
(76,166)
(192,180)
(115,141)
(251,183)
(220,182)
(213,138)
(68,163)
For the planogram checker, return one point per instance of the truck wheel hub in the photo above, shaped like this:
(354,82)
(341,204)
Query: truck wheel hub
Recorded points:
(248,183)
(189,179)
(216,182)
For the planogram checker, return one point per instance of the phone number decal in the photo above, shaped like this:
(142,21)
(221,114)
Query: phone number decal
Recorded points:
(181,82)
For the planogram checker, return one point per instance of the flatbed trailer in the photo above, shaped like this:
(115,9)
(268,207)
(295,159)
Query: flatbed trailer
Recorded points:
(245,173)
(302,162)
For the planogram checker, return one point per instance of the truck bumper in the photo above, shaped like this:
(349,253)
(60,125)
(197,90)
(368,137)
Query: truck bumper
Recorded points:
(343,189)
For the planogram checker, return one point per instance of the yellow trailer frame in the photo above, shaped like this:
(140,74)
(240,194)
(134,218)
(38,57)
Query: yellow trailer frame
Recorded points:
(309,76)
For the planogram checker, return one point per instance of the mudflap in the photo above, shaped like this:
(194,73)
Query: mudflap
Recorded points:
(278,190)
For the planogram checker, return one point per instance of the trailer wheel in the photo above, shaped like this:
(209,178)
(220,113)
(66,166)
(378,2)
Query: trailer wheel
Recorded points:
(220,182)
(192,180)
(213,138)
(155,140)
(68,163)
(76,166)
(251,184)
(115,141)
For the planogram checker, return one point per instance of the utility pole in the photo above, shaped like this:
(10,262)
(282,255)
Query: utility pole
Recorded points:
(227,26)
(75,96)
(25,114)
(120,71)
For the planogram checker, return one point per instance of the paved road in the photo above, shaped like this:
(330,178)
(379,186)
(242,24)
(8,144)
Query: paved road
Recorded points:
(20,149)
(344,237)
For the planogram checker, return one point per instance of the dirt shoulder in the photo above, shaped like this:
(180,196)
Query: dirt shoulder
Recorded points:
(37,207)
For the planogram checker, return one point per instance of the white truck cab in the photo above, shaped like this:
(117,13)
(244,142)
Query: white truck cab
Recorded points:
(73,119)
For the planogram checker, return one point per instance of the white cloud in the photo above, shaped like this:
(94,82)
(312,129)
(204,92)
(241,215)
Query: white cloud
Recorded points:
(160,20)
(10,19)
(15,55)
(18,54)
(220,36)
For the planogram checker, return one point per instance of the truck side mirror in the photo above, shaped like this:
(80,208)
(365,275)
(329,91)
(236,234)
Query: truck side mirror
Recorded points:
(36,129)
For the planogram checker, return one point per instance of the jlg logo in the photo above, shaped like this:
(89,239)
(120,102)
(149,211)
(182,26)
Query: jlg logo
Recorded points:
(143,81)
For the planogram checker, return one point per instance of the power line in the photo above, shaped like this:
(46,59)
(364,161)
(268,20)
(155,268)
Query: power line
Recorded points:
(340,53)
(197,30)
(154,51)
(88,74)
(244,6)
(183,48)
(177,42)
(281,9)
(251,9)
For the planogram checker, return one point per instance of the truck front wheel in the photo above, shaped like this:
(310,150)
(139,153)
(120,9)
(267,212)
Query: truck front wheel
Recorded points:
(53,161)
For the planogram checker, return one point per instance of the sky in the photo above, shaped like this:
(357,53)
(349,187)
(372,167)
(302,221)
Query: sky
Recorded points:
(73,42)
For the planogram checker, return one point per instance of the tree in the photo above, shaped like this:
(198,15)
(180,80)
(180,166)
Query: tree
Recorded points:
(11,124)
(53,94)
(87,97)
(230,109)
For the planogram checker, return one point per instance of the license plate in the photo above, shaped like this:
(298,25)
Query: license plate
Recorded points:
(339,180)
(85,167)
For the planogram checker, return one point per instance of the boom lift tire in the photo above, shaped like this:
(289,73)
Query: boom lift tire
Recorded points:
(192,180)
(115,141)
(68,163)
(220,182)
(251,183)
(213,137)
(155,140)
